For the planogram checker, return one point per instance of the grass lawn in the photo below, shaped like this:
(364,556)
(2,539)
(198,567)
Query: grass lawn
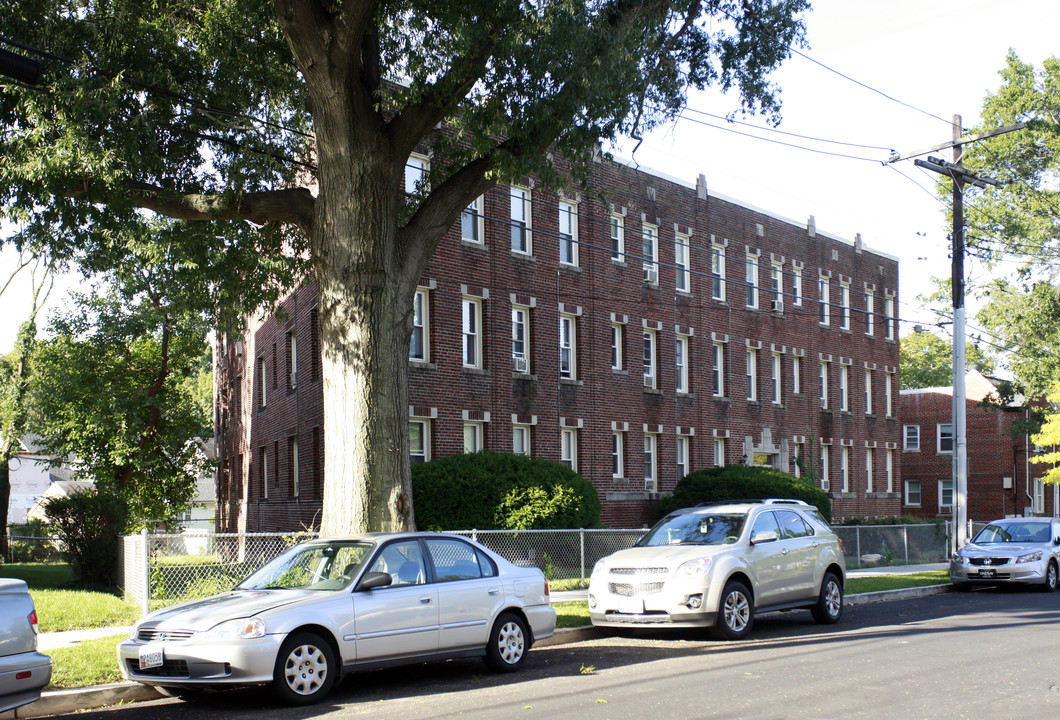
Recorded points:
(93,662)
(895,582)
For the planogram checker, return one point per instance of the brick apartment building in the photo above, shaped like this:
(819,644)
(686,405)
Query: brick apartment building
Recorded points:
(638,339)
(1001,480)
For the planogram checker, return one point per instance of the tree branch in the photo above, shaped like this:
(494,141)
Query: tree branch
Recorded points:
(293,205)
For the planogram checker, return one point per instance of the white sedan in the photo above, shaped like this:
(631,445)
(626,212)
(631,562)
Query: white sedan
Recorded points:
(332,606)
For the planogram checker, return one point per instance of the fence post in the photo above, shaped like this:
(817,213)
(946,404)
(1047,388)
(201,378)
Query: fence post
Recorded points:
(145,554)
(905,539)
(581,542)
(857,542)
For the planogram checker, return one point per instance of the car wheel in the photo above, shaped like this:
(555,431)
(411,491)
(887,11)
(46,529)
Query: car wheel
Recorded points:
(1052,577)
(508,644)
(735,613)
(829,607)
(305,669)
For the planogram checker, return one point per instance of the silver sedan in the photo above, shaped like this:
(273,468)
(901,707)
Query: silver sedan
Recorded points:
(1014,550)
(328,607)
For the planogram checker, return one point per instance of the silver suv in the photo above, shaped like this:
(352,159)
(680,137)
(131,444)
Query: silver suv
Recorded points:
(718,565)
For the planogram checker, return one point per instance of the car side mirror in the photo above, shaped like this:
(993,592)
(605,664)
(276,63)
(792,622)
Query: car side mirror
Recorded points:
(764,537)
(373,580)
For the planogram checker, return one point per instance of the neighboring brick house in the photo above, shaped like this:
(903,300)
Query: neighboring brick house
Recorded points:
(1001,480)
(635,340)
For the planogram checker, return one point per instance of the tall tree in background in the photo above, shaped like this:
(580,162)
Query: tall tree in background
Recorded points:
(213,111)
(926,360)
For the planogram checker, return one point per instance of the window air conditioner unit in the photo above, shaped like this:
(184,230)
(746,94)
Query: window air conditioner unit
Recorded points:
(239,348)
(777,305)
(649,485)
(946,509)
(648,380)
(651,274)
(518,364)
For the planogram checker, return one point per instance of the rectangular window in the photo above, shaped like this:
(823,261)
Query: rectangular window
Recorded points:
(618,238)
(419,441)
(263,464)
(868,469)
(650,445)
(824,385)
(752,374)
(717,272)
(520,340)
(418,342)
(717,370)
(945,437)
(616,346)
(868,391)
(870,314)
(567,348)
(520,439)
(650,253)
(888,309)
(798,460)
(262,382)
(292,464)
(520,221)
(472,335)
(752,281)
(911,437)
(890,471)
(912,492)
(617,460)
(945,495)
(719,452)
(822,300)
(826,480)
(568,233)
(292,360)
(682,279)
(683,442)
(776,282)
(417,168)
(314,343)
(649,359)
(796,374)
(844,306)
(844,394)
(568,448)
(796,287)
(777,396)
(681,364)
(844,469)
(887,393)
(472,222)
(472,437)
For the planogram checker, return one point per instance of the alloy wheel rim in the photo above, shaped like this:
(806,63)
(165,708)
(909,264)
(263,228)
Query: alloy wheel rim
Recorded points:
(833,598)
(737,611)
(510,642)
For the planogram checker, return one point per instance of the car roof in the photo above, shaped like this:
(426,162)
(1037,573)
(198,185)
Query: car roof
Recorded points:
(741,505)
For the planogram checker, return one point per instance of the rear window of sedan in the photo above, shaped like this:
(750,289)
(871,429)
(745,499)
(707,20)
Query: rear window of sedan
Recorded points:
(696,529)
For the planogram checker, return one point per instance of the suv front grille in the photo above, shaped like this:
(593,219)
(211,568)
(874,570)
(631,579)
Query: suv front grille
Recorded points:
(639,571)
(631,589)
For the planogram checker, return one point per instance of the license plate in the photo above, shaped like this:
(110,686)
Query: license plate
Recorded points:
(987,573)
(631,606)
(150,656)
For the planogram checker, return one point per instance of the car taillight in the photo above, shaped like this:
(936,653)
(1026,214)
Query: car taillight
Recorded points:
(841,551)
(546,587)
(33,622)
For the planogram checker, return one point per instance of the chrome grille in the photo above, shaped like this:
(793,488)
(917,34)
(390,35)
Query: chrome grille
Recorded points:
(639,571)
(631,589)
(156,635)
(989,562)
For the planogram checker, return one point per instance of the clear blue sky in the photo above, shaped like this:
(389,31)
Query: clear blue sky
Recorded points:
(931,57)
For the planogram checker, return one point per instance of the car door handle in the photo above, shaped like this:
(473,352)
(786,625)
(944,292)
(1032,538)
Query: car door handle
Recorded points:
(426,599)
(493,591)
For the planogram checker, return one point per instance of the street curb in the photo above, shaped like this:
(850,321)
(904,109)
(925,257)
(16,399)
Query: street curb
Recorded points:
(60,702)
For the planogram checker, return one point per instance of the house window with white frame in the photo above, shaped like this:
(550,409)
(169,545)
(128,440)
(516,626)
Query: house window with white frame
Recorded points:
(262,383)
(568,233)
(717,371)
(292,464)
(796,374)
(473,437)
(717,272)
(682,277)
(617,454)
(617,333)
(911,437)
(418,349)
(888,311)
(890,470)
(752,375)
(520,439)
(844,469)
(868,391)
(798,459)
(568,448)
(1039,495)
(945,438)
(752,281)
(824,385)
(419,441)
(777,394)
(472,222)
(868,469)
(681,364)
(870,314)
(263,464)
(417,169)
(650,253)
(844,306)
(822,300)
(844,394)
(472,335)
(618,238)
(568,347)
(292,360)
(651,443)
(945,495)
(520,221)
(719,451)
(776,281)
(826,480)
(520,339)
(887,394)
(682,450)
(912,493)
(650,378)
(796,287)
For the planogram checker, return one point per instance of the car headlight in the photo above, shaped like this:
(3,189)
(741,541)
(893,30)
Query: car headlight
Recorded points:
(957,559)
(241,629)
(599,566)
(1030,557)
(693,569)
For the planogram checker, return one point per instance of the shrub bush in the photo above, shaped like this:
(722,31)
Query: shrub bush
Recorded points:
(88,524)
(742,482)
(500,491)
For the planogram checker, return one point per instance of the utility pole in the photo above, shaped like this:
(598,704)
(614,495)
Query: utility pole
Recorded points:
(960,177)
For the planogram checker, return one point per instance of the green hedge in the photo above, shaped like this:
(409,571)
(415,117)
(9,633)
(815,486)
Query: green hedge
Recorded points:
(742,482)
(500,491)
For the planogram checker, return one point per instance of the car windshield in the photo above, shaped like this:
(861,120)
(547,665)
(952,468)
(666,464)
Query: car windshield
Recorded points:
(312,566)
(1014,533)
(696,529)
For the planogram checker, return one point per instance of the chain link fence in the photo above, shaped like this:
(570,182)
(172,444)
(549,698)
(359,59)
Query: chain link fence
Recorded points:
(32,548)
(874,545)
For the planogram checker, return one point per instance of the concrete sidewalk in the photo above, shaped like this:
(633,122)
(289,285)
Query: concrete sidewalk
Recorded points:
(62,702)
